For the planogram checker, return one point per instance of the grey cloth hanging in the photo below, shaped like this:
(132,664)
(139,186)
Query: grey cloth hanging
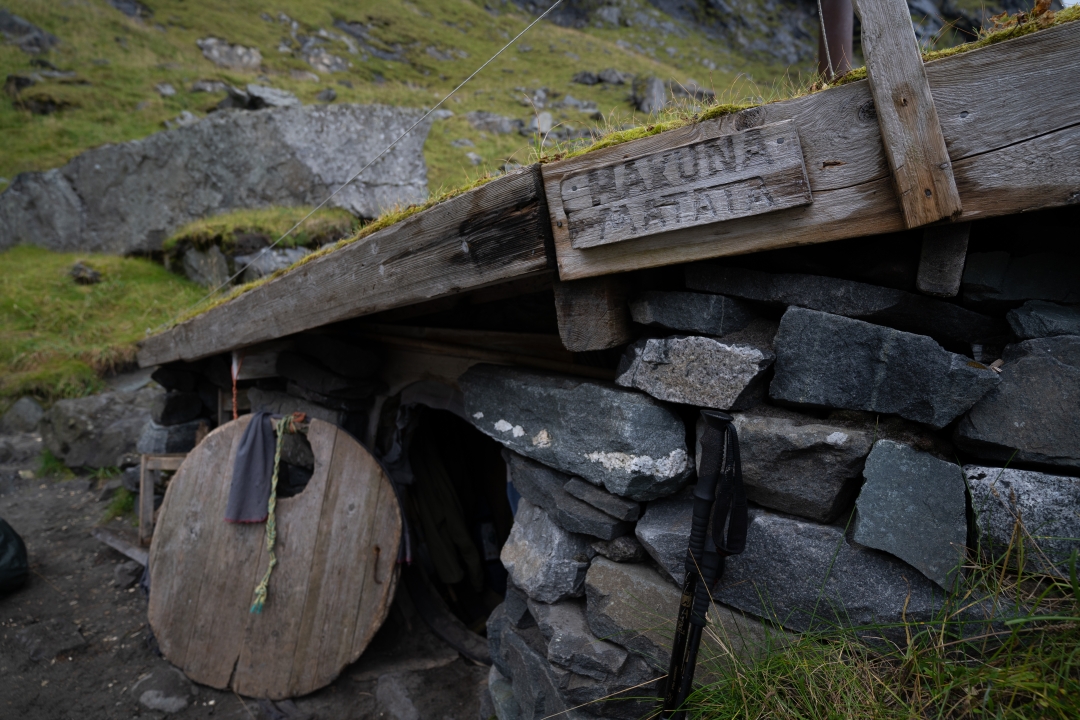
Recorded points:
(249,493)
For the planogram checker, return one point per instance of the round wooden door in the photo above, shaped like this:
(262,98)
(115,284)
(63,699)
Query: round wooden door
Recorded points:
(337,546)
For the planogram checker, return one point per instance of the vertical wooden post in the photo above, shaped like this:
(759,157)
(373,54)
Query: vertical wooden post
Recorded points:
(914,145)
(146,502)
(941,265)
(593,313)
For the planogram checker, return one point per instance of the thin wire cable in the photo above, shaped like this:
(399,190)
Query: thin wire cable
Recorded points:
(377,157)
(825,40)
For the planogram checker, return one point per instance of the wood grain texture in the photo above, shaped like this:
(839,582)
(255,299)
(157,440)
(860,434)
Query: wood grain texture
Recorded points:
(323,606)
(683,184)
(941,261)
(988,131)
(914,144)
(593,314)
(493,233)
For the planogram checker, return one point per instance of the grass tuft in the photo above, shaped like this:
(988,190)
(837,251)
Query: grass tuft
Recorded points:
(122,505)
(50,466)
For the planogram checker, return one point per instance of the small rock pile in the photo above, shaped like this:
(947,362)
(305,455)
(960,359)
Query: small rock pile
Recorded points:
(852,401)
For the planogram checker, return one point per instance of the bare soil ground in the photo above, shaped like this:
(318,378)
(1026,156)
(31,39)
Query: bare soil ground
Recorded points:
(73,643)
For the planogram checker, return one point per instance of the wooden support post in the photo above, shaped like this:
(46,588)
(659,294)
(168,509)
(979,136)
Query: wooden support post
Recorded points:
(922,172)
(148,470)
(593,313)
(941,265)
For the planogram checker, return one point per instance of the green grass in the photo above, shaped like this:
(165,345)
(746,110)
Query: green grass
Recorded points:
(122,505)
(59,338)
(1025,667)
(50,466)
(123,59)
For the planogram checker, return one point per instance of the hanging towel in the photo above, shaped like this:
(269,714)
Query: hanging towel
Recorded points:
(249,494)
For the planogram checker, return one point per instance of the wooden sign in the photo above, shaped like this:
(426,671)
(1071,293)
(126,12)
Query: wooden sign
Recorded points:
(703,181)
(337,547)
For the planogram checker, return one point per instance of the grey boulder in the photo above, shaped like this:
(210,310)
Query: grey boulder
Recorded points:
(267,262)
(914,506)
(1045,505)
(638,451)
(804,575)
(236,57)
(545,561)
(621,549)
(47,639)
(95,431)
(168,439)
(501,694)
(1031,417)
(208,268)
(799,464)
(543,487)
(943,321)
(571,645)
(131,196)
(165,689)
(698,313)
(833,361)
(1038,319)
(28,37)
(696,371)
(22,417)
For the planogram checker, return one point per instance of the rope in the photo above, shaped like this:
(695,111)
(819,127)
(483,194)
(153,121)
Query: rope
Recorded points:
(379,156)
(286,424)
(824,40)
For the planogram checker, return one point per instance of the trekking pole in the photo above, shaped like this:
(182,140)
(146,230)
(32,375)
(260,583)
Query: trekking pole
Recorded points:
(719,504)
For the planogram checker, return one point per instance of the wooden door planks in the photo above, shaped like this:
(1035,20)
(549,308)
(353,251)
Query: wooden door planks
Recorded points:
(275,632)
(682,184)
(914,144)
(479,238)
(323,605)
(988,130)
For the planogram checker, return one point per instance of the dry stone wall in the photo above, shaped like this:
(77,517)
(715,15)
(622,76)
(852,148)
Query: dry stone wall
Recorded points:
(875,436)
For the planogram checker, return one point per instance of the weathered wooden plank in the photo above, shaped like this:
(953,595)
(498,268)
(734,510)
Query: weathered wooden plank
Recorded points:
(941,262)
(914,145)
(593,314)
(485,236)
(846,163)
(274,632)
(682,185)
(538,345)
(180,541)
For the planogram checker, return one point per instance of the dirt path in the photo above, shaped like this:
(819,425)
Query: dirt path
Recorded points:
(74,641)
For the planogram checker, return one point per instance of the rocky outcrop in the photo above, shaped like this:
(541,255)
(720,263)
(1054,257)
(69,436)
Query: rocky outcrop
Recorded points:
(1031,416)
(28,37)
(639,453)
(130,197)
(96,431)
(833,361)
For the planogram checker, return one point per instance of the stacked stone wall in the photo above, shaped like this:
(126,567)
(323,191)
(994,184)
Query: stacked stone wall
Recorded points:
(886,437)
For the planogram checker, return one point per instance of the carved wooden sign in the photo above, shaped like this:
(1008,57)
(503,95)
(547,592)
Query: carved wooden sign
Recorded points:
(695,183)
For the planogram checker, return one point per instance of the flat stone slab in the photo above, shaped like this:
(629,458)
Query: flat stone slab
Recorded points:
(698,313)
(1039,319)
(664,532)
(571,645)
(914,506)
(634,606)
(696,370)
(1031,417)
(805,575)
(638,450)
(49,638)
(1046,504)
(622,549)
(613,505)
(798,464)
(545,561)
(543,487)
(943,321)
(832,361)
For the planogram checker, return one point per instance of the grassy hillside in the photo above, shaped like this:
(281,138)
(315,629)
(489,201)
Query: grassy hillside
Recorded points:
(414,53)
